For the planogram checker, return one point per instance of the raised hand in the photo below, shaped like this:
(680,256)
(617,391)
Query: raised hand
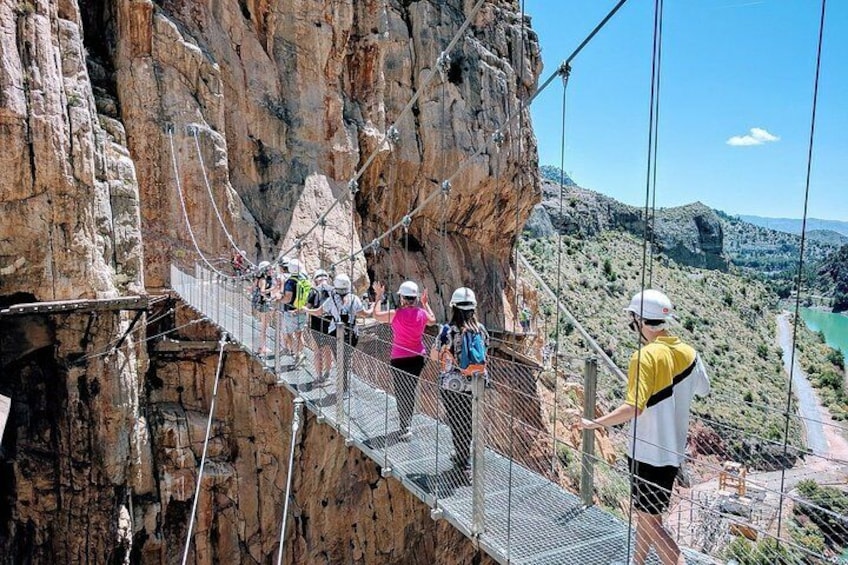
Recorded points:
(379,291)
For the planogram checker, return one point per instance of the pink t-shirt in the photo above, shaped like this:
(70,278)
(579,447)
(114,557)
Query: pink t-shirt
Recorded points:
(408,327)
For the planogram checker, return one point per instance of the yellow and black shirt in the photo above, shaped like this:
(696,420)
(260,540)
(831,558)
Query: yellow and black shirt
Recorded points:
(662,379)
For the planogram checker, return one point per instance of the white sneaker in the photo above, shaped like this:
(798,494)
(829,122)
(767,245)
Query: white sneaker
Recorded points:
(406,436)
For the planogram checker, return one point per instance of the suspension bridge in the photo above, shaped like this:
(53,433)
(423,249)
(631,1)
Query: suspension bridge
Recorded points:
(514,505)
(511,505)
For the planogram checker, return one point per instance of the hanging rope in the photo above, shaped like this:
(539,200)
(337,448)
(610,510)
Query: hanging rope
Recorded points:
(211,197)
(183,207)
(645,242)
(205,447)
(799,279)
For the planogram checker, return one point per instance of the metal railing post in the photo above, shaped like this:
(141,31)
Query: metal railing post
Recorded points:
(277,317)
(587,463)
(340,373)
(478,456)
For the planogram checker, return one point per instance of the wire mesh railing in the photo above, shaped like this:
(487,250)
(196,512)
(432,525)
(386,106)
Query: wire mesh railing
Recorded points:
(504,465)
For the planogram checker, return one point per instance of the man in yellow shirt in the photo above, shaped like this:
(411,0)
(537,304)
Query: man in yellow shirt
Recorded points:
(663,376)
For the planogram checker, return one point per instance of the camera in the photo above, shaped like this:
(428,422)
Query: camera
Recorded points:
(453,381)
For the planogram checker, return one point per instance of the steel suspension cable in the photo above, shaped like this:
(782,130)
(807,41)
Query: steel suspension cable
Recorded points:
(799,279)
(567,62)
(205,448)
(212,198)
(652,164)
(555,364)
(296,417)
(409,105)
(515,313)
(185,211)
(497,133)
(644,281)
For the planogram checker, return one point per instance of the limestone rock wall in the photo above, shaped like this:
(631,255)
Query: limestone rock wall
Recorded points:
(69,197)
(291,98)
(134,130)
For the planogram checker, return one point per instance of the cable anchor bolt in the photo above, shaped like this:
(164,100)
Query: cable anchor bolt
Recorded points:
(443,64)
(446,187)
(353,187)
(393,135)
(498,138)
(322,221)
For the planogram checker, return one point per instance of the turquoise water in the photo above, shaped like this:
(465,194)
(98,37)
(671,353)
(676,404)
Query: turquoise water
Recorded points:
(834,326)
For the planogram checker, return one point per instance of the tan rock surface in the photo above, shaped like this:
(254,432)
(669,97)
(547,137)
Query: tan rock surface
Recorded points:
(287,100)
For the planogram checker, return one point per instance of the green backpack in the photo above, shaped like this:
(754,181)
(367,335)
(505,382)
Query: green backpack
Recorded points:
(302,292)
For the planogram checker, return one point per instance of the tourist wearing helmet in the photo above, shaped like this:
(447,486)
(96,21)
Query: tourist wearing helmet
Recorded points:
(320,325)
(260,300)
(408,322)
(292,295)
(342,307)
(663,376)
(461,348)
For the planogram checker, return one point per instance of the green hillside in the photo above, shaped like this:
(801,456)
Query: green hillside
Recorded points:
(727,317)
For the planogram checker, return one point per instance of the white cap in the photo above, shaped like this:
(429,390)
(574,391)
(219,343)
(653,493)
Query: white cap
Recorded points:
(408,289)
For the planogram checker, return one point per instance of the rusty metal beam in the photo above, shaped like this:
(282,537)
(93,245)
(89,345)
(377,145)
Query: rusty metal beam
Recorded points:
(81,305)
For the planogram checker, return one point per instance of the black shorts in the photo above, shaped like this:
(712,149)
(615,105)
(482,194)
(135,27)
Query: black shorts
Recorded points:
(650,486)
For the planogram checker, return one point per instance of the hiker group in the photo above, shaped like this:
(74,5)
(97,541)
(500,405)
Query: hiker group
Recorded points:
(325,306)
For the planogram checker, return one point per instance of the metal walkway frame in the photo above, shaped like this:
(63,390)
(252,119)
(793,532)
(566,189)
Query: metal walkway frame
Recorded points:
(528,518)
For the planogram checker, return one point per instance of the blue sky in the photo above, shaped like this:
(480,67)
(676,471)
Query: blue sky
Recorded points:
(739,70)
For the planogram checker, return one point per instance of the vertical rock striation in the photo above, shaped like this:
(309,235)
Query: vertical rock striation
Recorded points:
(134,131)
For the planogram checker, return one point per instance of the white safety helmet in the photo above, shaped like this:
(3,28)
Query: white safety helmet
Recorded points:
(341,284)
(320,273)
(294,266)
(263,266)
(284,262)
(464,299)
(408,289)
(651,304)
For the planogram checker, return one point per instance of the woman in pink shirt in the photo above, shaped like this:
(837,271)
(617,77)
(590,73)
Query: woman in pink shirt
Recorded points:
(408,351)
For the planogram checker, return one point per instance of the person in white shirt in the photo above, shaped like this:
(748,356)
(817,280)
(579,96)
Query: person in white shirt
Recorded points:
(663,376)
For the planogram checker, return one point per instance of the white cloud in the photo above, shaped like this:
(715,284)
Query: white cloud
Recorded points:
(755,136)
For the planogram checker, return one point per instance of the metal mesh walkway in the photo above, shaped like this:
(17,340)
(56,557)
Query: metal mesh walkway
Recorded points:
(526,517)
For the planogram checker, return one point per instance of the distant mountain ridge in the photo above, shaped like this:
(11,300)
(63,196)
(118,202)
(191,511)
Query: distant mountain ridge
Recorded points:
(693,234)
(690,234)
(793,225)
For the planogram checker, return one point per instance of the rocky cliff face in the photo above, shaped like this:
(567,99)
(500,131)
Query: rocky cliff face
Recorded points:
(691,234)
(133,131)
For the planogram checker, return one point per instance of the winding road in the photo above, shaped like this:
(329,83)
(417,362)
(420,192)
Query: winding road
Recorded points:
(809,407)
